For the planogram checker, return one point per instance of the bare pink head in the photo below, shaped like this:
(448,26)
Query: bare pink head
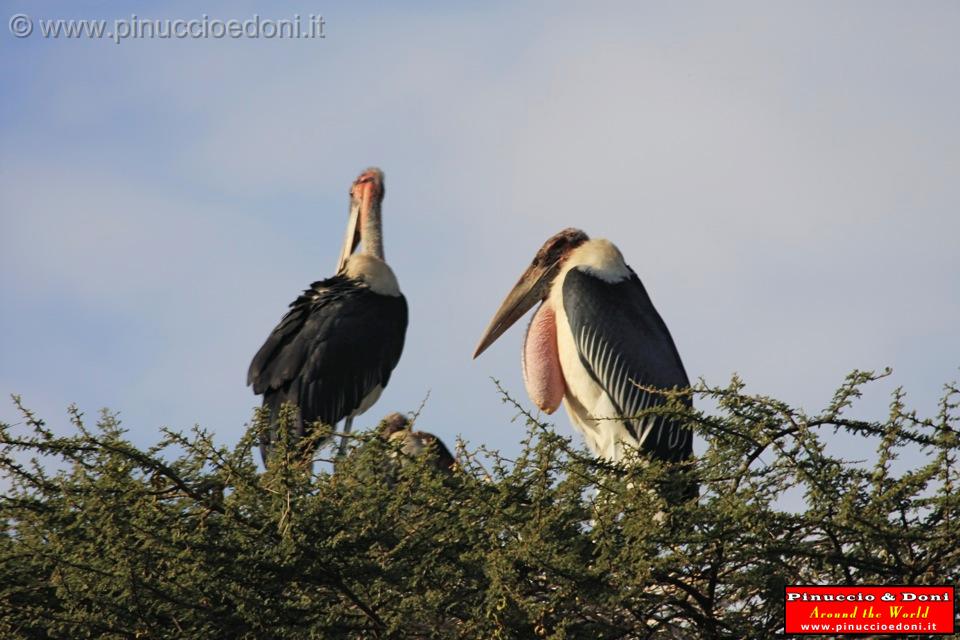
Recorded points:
(364,225)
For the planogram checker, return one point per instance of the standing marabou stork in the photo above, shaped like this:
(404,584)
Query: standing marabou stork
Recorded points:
(595,334)
(332,353)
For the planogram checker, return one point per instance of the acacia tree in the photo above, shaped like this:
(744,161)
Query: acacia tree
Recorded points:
(188,539)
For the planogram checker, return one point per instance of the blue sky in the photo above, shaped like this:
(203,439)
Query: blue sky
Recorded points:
(784,177)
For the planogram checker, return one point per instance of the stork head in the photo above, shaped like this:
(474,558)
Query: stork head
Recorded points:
(366,195)
(392,424)
(534,284)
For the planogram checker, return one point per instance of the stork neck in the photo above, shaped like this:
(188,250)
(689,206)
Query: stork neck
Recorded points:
(371,234)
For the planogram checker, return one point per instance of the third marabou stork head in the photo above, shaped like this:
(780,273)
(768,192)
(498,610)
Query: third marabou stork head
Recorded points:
(595,334)
(332,353)
(395,428)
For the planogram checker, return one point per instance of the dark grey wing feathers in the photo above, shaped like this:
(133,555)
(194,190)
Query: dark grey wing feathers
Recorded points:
(622,340)
(338,342)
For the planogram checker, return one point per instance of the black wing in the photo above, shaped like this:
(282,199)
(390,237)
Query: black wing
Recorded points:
(621,339)
(336,344)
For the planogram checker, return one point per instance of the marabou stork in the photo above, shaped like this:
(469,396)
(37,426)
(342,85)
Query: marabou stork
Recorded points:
(332,353)
(595,334)
(395,428)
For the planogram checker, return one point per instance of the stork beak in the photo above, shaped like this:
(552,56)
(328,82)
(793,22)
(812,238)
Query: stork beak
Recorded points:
(352,238)
(533,286)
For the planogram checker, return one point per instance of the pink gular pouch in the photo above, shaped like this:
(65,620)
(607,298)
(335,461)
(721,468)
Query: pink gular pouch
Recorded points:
(541,360)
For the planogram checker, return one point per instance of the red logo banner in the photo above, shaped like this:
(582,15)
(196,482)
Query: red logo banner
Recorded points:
(893,609)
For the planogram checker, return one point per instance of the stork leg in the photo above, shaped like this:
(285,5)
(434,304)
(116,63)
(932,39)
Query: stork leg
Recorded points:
(347,425)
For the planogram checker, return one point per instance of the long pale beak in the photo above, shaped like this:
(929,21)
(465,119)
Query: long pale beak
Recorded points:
(352,238)
(532,287)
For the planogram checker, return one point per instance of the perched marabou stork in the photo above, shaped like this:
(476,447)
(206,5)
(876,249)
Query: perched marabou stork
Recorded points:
(595,334)
(332,353)
(395,428)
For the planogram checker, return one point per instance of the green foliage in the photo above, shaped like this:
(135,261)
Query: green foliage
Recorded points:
(189,540)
